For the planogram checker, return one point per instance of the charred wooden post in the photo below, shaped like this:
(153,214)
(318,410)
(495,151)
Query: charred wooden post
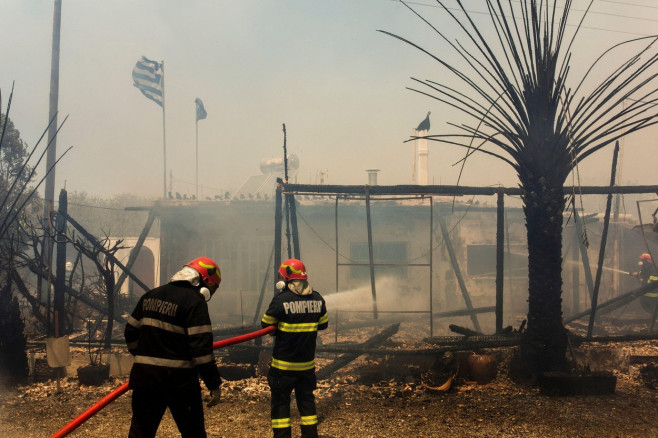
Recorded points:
(500,258)
(465,331)
(475,343)
(446,190)
(292,207)
(580,235)
(371,260)
(575,272)
(336,236)
(604,239)
(345,359)
(60,266)
(577,340)
(455,266)
(97,244)
(463,312)
(508,244)
(459,346)
(135,251)
(431,267)
(287,216)
(616,302)
(278,209)
(263,286)
(69,290)
(287,199)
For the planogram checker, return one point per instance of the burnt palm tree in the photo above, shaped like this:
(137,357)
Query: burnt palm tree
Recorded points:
(515,94)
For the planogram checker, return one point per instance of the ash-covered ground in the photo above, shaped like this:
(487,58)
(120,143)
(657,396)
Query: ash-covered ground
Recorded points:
(352,403)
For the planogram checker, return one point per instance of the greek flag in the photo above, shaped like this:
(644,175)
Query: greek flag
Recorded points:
(200,110)
(147,76)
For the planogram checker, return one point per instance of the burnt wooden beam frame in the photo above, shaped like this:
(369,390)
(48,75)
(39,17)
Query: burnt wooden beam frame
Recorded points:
(287,219)
(615,302)
(604,240)
(60,266)
(278,225)
(263,286)
(292,208)
(453,190)
(75,294)
(575,271)
(371,259)
(431,263)
(345,359)
(98,245)
(500,258)
(446,190)
(136,249)
(455,266)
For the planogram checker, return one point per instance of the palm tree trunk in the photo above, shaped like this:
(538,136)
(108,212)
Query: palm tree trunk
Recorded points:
(544,344)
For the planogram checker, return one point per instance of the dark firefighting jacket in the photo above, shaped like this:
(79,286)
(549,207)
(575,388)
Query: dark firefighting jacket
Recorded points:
(170,335)
(298,319)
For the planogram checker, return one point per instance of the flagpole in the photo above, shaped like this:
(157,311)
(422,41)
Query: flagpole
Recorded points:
(51,156)
(164,136)
(197,157)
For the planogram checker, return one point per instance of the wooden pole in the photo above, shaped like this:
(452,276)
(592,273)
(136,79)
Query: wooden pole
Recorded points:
(458,274)
(197,159)
(616,302)
(49,194)
(578,222)
(164,138)
(262,288)
(278,200)
(135,251)
(510,290)
(336,234)
(60,265)
(500,257)
(604,239)
(371,260)
(292,207)
(98,245)
(575,271)
(51,155)
(287,196)
(445,190)
(431,267)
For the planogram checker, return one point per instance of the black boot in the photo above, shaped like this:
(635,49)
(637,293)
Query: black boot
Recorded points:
(310,431)
(284,432)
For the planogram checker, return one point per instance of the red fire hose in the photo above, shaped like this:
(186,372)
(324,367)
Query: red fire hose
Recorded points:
(109,398)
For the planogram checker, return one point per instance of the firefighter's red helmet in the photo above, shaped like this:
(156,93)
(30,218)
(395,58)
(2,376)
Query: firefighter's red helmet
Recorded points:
(646,258)
(293,269)
(209,270)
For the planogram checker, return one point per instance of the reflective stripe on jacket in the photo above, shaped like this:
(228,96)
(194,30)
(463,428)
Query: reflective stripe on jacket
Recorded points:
(298,319)
(170,335)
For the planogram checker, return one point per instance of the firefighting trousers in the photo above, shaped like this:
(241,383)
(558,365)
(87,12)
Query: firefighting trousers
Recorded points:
(185,405)
(282,383)
(648,300)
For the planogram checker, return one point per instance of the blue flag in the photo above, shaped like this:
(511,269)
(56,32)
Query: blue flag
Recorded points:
(148,78)
(200,110)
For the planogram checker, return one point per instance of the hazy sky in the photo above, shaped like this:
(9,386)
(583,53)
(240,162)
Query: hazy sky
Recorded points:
(320,67)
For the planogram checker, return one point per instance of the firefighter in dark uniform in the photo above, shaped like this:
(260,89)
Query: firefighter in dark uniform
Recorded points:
(170,335)
(298,312)
(647,274)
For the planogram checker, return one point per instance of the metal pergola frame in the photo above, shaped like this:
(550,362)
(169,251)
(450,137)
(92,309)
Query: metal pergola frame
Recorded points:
(367,191)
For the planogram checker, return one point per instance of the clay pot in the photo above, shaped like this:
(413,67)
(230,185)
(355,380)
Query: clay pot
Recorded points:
(482,367)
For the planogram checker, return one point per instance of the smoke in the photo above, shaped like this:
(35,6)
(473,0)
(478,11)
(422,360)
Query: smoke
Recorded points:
(392,295)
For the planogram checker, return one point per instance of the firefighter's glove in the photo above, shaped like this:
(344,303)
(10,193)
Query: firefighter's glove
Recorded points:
(215,397)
